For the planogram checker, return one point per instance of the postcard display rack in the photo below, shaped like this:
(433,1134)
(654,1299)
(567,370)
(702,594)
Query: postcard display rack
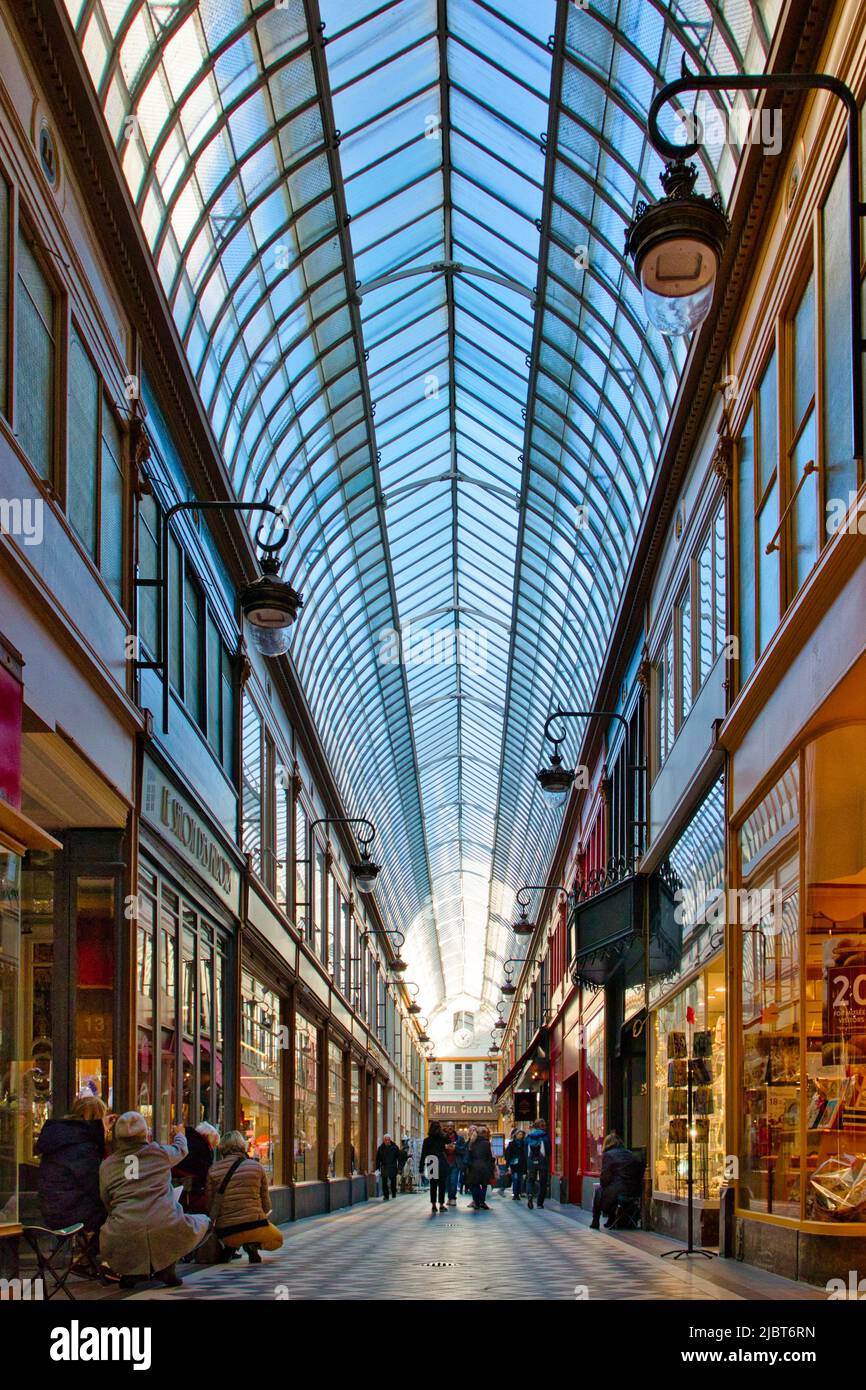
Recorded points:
(691,1108)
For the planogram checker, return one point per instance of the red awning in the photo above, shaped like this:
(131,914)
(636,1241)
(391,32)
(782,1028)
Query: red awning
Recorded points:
(538,1041)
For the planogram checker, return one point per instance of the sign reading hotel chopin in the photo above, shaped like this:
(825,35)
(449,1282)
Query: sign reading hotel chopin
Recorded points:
(165,808)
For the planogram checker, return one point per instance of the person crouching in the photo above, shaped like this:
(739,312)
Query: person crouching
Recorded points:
(145,1232)
(239,1202)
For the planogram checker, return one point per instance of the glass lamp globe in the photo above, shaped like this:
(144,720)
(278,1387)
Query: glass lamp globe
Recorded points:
(677,246)
(365,874)
(270,606)
(677,280)
(555,781)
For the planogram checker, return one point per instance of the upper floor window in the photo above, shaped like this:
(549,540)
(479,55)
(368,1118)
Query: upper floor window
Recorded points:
(779,495)
(711,598)
(666,695)
(35,359)
(4,295)
(202,668)
(695,637)
(95,493)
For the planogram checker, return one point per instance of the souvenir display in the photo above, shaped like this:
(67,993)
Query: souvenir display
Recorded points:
(702,1045)
(678,1072)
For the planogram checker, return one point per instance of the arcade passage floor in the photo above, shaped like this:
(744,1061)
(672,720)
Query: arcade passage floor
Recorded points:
(396,1250)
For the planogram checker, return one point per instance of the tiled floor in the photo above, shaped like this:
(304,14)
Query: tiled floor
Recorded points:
(398,1251)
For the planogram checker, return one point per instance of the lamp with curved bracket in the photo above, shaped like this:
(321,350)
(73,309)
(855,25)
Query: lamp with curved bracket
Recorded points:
(414,1007)
(523,926)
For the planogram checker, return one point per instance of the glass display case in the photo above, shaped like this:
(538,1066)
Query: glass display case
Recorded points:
(689,1031)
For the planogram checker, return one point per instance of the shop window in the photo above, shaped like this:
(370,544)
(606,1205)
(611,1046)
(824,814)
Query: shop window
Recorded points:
(770,1140)
(261,1074)
(94,468)
(35,358)
(689,1037)
(94,1015)
(169,1001)
(251,771)
(593,1092)
(354,1115)
(306,1164)
(37,885)
(338,1166)
(180,956)
(834,787)
(35,1073)
(4,296)
(144,992)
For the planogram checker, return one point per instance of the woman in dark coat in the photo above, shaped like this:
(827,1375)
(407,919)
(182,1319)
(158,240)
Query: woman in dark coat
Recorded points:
(435,1165)
(192,1170)
(621,1178)
(70,1152)
(515,1157)
(481,1169)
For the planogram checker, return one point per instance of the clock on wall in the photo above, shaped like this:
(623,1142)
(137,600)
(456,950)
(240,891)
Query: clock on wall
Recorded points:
(464,1028)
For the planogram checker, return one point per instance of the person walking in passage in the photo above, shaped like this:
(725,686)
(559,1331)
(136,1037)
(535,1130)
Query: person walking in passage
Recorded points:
(515,1157)
(537,1163)
(461,1153)
(435,1165)
(146,1231)
(481,1169)
(239,1201)
(453,1174)
(388,1164)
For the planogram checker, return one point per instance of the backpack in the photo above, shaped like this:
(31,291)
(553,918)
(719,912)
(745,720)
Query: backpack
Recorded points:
(534,1147)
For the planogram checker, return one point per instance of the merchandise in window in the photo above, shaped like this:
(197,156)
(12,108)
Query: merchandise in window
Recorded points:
(689,1041)
(338,1159)
(306,1164)
(261,1074)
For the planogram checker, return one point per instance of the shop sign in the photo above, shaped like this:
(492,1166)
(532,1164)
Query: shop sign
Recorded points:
(462,1110)
(846,1000)
(165,808)
(525,1105)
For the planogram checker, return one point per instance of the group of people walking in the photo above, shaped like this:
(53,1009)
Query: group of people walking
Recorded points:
(145,1206)
(527,1157)
(453,1161)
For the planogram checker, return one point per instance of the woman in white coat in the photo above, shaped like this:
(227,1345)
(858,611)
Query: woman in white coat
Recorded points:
(146,1230)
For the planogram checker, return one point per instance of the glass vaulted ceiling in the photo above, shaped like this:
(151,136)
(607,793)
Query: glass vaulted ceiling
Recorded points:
(372,249)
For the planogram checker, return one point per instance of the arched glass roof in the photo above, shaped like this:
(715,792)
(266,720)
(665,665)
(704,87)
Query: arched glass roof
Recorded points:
(393,250)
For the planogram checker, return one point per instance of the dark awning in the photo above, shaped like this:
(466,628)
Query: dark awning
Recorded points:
(608,935)
(536,1047)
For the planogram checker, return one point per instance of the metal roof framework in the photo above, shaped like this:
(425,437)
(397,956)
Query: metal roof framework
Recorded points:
(390,235)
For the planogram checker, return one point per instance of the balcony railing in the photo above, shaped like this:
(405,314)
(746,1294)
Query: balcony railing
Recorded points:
(606,926)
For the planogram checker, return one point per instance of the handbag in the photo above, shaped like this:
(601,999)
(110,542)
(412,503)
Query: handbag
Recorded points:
(210,1249)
